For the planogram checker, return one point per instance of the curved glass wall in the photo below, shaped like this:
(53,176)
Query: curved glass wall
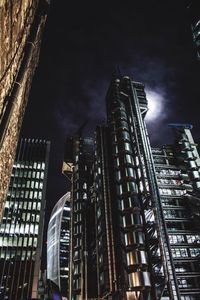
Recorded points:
(58,244)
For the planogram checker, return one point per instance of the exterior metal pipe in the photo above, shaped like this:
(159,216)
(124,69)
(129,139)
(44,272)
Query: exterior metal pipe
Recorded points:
(155,193)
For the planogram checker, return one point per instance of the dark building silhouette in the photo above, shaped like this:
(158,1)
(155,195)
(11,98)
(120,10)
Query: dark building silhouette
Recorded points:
(58,245)
(81,155)
(21,230)
(134,208)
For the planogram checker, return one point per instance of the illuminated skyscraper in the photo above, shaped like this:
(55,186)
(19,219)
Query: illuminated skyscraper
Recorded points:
(178,177)
(21,230)
(22,23)
(134,209)
(58,245)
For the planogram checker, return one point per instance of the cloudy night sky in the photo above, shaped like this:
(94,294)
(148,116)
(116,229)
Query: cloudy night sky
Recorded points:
(83,42)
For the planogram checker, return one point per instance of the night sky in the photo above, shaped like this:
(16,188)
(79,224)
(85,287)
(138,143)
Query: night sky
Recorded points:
(83,42)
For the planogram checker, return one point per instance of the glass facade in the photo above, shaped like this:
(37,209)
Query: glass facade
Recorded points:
(21,229)
(58,245)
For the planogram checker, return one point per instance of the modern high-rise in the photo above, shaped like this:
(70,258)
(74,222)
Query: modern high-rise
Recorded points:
(21,229)
(22,23)
(80,154)
(134,209)
(177,170)
(58,245)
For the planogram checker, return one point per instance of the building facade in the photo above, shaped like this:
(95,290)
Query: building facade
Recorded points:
(177,170)
(21,229)
(21,24)
(79,159)
(130,238)
(58,245)
(194,17)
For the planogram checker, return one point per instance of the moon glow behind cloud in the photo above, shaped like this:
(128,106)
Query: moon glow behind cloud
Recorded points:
(155,106)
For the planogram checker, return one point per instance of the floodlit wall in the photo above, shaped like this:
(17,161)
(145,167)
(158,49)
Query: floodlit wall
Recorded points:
(21,25)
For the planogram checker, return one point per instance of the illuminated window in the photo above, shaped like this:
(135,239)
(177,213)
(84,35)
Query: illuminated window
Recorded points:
(194,252)
(117,164)
(22,229)
(165,191)
(193,239)
(116,150)
(26,229)
(77,268)
(26,216)
(176,239)
(35,242)
(184,283)
(29,174)
(25,242)
(30,240)
(119,189)
(28,184)
(130,172)
(179,252)
(36,228)
(128,158)
(127,146)
(132,187)
(36,184)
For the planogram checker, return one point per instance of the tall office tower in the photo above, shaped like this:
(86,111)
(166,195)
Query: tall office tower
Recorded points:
(177,169)
(21,230)
(126,227)
(118,204)
(79,158)
(21,24)
(58,245)
(194,16)
(130,256)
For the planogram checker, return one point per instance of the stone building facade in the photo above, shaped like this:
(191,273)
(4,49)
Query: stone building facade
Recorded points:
(21,26)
